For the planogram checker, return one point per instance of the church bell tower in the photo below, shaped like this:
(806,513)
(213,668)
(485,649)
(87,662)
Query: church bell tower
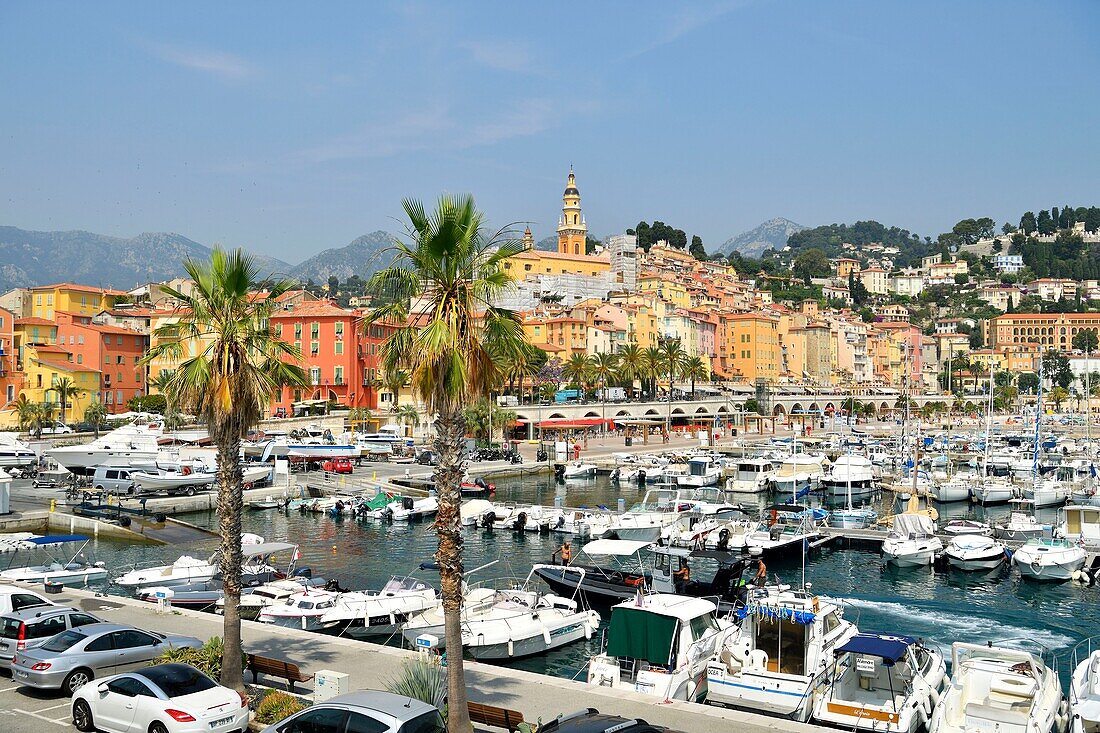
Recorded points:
(572,228)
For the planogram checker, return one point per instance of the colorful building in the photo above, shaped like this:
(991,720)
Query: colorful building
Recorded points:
(572,228)
(44,366)
(115,351)
(748,347)
(48,300)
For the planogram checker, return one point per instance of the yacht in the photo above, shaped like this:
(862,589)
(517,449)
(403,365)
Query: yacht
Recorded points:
(881,683)
(187,569)
(1049,559)
(256,599)
(993,490)
(974,552)
(701,471)
(14,452)
(912,541)
(752,476)
(798,473)
(773,663)
(852,477)
(658,645)
(999,690)
(383,612)
(125,446)
(302,610)
(659,509)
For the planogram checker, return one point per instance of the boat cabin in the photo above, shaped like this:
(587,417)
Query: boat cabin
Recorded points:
(1081,523)
(753,469)
(872,677)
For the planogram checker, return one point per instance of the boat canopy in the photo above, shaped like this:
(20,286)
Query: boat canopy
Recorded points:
(55,539)
(267,548)
(615,547)
(890,649)
(637,633)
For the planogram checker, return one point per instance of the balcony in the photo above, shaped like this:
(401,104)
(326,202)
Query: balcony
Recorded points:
(339,381)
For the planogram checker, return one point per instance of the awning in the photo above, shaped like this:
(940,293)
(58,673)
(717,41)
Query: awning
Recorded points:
(566,423)
(779,613)
(635,633)
(888,648)
(614,547)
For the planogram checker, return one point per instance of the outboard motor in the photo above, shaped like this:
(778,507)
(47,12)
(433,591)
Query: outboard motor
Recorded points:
(723,539)
(541,455)
(521,521)
(479,481)
(641,478)
(559,471)
(488,518)
(303,573)
(406,502)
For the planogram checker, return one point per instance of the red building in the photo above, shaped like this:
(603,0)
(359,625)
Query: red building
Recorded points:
(115,352)
(341,361)
(9,374)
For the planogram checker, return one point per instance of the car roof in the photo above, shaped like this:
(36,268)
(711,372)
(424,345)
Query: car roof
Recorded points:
(12,590)
(593,721)
(102,628)
(398,706)
(32,612)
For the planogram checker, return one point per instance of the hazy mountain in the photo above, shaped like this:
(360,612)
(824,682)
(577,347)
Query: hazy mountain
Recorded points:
(772,234)
(362,257)
(30,258)
(548,244)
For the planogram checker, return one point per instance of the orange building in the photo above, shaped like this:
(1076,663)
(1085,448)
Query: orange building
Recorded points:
(114,351)
(9,374)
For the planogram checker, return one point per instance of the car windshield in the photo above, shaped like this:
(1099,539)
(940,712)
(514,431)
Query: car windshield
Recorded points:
(426,723)
(177,680)
(63,641)
(9,629)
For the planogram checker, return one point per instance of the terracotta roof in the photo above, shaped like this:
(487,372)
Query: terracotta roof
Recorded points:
(80,288)
(50,348)
(539,254)
(68,366)
(314,308)
(33,321)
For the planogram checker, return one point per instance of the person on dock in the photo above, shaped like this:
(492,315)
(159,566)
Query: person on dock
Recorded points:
(761,577)
(566,553)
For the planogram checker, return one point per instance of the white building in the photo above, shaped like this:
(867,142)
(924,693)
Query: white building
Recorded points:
(623,250)
(1008,263)
(907,283)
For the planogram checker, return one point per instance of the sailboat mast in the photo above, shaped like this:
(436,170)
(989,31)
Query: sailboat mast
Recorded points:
(1038,421)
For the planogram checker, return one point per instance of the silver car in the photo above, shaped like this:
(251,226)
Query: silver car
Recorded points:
(32,627)
(366,710)
(77,656)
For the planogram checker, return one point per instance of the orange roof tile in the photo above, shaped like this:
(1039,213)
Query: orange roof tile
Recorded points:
(68,366)
(33,321)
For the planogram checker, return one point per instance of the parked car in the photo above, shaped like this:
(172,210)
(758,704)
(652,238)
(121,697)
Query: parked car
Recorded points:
(15,599)
(113,479)
(593,721)
(165,698)
(366,710)
(73,658)
(427,457)
(59,428)
(32,627)
(338,465)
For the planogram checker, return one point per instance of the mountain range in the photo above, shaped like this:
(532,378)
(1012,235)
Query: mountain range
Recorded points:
(772,234)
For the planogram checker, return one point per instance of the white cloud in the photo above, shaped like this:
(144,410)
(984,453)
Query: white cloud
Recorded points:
(221,64)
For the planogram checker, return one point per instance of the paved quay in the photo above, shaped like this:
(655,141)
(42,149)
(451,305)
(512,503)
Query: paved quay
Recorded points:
(370,665)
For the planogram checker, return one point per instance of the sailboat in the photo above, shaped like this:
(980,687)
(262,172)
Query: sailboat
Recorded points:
(847,468)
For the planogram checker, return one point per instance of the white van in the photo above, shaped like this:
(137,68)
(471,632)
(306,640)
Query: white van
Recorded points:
(113,479)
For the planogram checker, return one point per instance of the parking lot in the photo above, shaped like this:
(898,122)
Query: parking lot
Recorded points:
(24,709)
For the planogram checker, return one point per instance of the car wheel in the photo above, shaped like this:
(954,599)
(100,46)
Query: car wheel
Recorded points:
(82,716)
(157,727)
(190,490)
(76,679)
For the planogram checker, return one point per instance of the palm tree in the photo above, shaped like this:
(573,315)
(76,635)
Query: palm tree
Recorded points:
(30,415)
(577,370)
(631,364)
(409,415)
(603,367)
(653,365)
(693,368)
(672,359)
(96,414)
(444,282)
(65,389)
(240,366)
(393,381)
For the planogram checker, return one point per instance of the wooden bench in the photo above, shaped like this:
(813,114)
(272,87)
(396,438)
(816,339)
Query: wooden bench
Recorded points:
(276,668)
(494,716)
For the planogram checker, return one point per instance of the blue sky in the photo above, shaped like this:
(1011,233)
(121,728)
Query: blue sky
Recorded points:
(289,129)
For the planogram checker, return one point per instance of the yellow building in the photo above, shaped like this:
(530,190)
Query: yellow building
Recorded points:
(44,366)
(190,348)
(530,263)
(669,290)
(748,347)
(572,229)
(71,298)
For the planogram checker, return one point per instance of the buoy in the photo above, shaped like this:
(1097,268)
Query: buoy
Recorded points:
(334,548)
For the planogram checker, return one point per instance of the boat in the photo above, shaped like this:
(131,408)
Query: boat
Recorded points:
(852,477)
(993,490)
(411,510)
(184,478)
(74,570)
(1048,492)
(1080,524)
(966,526)
(999,690)
(125,446)
(257,568)
(753,476)
(701,471)
(974,552)
(799,473)
(268,502)
(1084,688)
(1019,527)
(321,451)
(387,435)
(578,470)
(658,645)
(15,453)
(773,663)
(185,569)
(912,540)
(382,612)
(880,682)
(255,599)
(303,610)
(509,623)
(1049,559)
(957,488)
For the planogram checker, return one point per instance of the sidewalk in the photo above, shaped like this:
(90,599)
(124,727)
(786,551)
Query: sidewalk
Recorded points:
(370,665)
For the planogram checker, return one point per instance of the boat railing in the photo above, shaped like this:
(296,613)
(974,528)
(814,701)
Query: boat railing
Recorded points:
(1083,650)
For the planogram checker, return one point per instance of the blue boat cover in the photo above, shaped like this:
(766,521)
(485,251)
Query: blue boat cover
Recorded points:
(888,648)
(781,613)
(57,538)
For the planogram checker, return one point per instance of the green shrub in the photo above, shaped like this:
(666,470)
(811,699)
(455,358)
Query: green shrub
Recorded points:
(277,706)
(208,659)
(421,680)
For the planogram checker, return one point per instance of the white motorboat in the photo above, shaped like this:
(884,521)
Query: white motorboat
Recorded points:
(881,683)
(387,435)
(321,451)
(659,509)
(383,612)
(185,479)
(125,446)
(957,488)
(778,657)
(852,477)
(1080,524)
(578,470)
(753,476)
(1049,492)
(701,471)
(798,473)
(912,541)
(14,452)
(974,552)
(254,600)
(999,690)
(658,645)
(303,610)
(852,518)
(958,527)
(1084,688)
(510,623)
(268,502)
(993,491)
(410,510)
(76,569)
(185,569)
(1085,494)
(1049,559)
(1020,526)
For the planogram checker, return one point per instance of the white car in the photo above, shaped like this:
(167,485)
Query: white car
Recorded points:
(16,599)
(165,698)
(58,429)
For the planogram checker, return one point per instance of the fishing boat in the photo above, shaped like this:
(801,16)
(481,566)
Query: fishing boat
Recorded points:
(912,541)
(974,552)
(779,655)
(999,690)
(1049,559)
(1084,688)
(1020,527)
(880,682)
(75,569)
(382,612)
(268,502)
(658,645)
(509,623)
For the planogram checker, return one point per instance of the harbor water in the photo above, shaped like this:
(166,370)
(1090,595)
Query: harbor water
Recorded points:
(939,606)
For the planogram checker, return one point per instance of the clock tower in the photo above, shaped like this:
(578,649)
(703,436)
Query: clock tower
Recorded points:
(572,228)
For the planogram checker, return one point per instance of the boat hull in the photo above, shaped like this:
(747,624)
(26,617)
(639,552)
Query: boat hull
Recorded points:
(990,562)
(775,694)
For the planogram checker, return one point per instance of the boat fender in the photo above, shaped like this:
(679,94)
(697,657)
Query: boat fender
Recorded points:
(124,521)
(588,630)
(511,650)
(393,619)
(546,635)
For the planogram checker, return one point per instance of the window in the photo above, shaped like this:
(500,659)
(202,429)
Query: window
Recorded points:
(25,600)
(339,375)
(339,347)
(101,644)
(318,720)
(315,330)
(82,619)
(131,638)
(66,639)
(120,359)
(359,723)
(339,329)
(129,687)
(314,348)
(80,358)
(45,628)
(297,330)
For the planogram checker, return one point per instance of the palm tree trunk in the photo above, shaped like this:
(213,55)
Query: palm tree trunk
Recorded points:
(230,508)
(449,432)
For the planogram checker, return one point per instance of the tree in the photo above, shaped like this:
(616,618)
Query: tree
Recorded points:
(1028,382)
(393,381)
(696,249)
(409,415)
(693,368)
(811,263)
(448,276)
(1086,340)
(961,278)
(577,370)
(631,364)
(672,358)
(603,367)
(64,389)
(484,419)
(1045,224)
(239,368)
(751,405)
(1057,369)
(857,290)
(1059,395)
(1027,223)
(30,415)
(653,364)
(96,414)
